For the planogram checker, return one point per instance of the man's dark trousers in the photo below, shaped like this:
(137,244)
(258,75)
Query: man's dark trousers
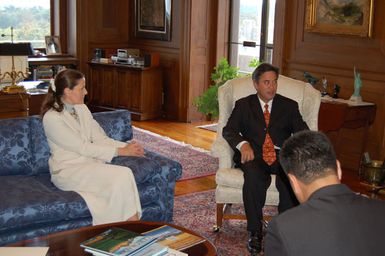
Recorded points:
(257,176)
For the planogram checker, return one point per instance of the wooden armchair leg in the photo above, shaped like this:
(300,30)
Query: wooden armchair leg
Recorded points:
(218,225)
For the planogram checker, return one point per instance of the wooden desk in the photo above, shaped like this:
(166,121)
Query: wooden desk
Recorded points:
(68,242)
(35,96)
(13,105)
(35,101)
(338,120)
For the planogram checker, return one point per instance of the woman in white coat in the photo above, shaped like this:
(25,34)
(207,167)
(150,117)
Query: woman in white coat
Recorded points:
(80,152)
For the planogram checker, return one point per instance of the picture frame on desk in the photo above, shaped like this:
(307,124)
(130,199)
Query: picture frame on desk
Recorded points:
(153,19)
(341,17)
(52,45)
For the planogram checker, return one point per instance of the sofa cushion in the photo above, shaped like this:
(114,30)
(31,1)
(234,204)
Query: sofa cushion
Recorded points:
(31,200)
(116,124)
(39,146)
(15,154)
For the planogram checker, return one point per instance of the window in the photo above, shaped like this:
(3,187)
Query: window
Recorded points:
(252,32)
(31,21)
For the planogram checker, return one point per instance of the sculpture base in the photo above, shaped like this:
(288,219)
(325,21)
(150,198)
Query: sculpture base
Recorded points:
(355,98)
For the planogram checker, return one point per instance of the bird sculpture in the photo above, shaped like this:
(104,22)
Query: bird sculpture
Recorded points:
(310,79)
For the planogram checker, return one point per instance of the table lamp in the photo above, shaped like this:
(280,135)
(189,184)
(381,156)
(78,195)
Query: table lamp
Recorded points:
(14,59)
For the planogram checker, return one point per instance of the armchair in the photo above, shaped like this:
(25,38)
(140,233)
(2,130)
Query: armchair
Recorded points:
(230,180)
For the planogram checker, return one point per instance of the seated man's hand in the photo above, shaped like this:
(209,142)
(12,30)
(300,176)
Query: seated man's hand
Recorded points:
(247,153)
(131,149)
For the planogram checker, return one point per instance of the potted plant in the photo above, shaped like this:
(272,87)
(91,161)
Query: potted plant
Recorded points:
(207,102)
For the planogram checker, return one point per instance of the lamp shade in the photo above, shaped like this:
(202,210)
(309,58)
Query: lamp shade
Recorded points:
(16,49)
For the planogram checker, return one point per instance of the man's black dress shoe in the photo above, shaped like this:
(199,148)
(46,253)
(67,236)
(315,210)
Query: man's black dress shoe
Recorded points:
(254,244)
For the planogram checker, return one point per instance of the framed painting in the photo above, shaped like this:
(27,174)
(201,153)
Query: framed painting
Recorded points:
(344,17)
(153,19)
(52,45)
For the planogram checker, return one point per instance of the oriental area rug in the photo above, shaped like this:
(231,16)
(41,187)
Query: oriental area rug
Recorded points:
(196,212)
(196,162)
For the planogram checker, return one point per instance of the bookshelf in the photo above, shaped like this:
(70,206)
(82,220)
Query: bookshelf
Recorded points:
(45,68)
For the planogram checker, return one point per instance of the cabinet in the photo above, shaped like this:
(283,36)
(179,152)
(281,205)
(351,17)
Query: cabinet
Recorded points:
(138,89)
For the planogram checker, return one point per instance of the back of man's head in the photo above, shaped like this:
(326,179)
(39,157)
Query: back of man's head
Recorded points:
(308,155)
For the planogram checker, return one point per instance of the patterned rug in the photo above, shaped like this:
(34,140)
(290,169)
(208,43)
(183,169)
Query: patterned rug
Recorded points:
(196,162)
(197,212)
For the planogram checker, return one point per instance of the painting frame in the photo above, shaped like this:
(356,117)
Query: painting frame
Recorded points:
(153,19)
(330,17)
(52,45)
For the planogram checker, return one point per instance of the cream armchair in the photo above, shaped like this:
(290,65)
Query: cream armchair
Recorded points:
(230,180)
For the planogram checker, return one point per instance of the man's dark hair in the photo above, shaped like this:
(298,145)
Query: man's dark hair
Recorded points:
(308,155)
(262,68)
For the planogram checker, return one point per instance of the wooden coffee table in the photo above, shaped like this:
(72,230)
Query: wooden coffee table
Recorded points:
(68,242)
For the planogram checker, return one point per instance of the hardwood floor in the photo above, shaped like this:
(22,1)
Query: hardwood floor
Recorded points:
(186,132)
(189,133)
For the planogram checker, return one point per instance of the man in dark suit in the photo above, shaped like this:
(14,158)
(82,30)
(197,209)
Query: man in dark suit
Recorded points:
(256,129)
(331,220)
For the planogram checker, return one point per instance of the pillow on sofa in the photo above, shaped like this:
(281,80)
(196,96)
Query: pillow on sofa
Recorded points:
(15,154)
(39,146)
(116,124)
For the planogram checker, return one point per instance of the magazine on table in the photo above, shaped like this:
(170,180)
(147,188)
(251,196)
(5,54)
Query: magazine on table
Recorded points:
(174,238)
(118,242)
(154,249)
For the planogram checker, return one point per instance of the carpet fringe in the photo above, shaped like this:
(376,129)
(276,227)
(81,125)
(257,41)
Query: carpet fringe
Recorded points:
(181,143)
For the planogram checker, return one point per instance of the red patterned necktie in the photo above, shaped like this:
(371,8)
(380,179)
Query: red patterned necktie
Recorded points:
(268,152)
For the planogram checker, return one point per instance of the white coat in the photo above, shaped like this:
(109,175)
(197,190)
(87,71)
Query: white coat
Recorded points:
(79,152)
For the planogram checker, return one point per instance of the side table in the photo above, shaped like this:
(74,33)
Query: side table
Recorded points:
(336,115)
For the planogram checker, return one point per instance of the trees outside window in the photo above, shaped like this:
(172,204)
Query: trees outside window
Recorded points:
(31,21)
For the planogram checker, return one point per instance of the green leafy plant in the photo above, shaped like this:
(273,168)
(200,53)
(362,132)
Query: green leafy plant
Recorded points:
(207,102)
(254,63)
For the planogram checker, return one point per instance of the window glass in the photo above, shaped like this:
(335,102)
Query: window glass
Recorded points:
(246,25)
(30,20)
(270,24)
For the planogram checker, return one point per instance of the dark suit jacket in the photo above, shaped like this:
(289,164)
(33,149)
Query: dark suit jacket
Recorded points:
(333,222)
(246,122)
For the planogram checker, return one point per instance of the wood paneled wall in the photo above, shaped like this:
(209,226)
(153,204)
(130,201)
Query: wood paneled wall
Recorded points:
(186,60)
(334,56)
(199,38)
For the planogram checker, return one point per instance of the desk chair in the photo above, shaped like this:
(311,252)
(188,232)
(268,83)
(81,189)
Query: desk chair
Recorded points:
(230,180)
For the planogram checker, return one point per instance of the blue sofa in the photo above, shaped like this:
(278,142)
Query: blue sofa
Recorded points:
(30,205)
